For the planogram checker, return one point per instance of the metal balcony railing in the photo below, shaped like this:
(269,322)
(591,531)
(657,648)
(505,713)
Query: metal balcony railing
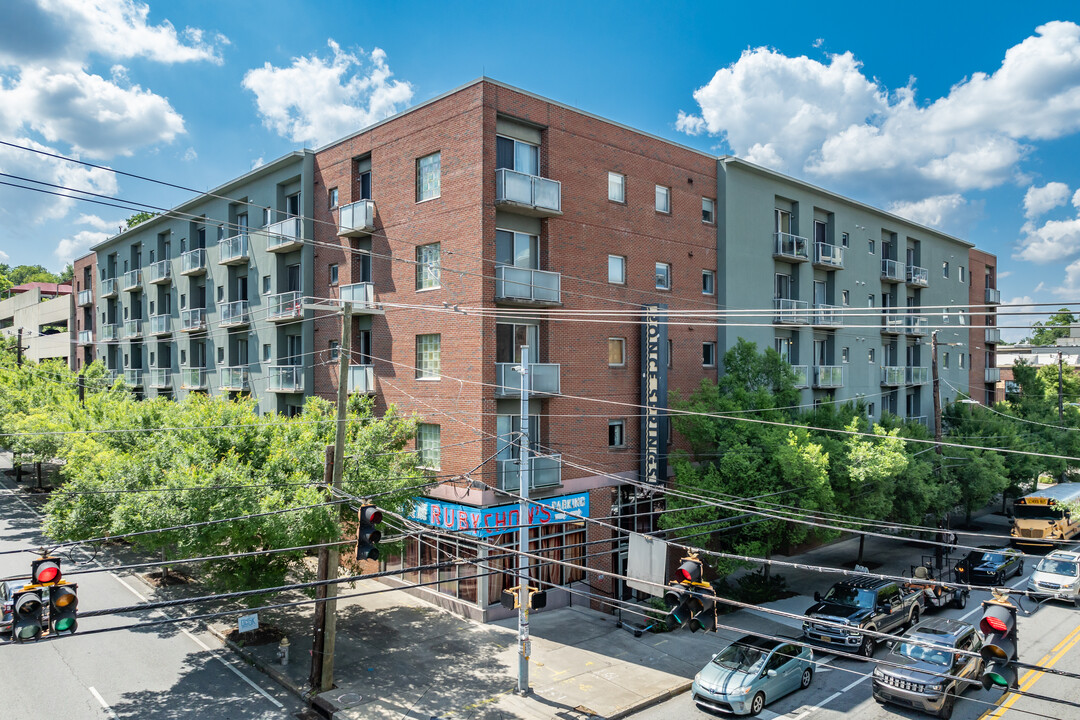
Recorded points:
(529,194)
(193,319)
(362,379)
(828,256)
(992,336)
(161,272)
(233,250)
(86,337)
(234,314)
(160,378)
(234,378)
(133,378)
(524,284)
(110,333)
(286,378)
(992,375)
(827,315)
(193,378)
(917,376)
(791,312)
(86,297)
(361,295)
(284,306)
(193,262)
(284,235)
(790,247)
(893,375)
(132,329)
(132,281)
(893,322)
(993,296)
(917,326)
(828,376)
(356,219)
(918,276)
(159,325)
(544,471)
(893,270)
(544,379)
(921,419)
(108,288)
(802,376)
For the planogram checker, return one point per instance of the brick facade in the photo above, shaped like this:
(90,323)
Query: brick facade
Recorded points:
(983,298)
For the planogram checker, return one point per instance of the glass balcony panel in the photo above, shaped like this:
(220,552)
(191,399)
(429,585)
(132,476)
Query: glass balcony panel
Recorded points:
(283,235)
(159,325)
(193,319)
(160,378)
(161,271)
(828,315)
(234,313)
(108,287)
(110,333)
(791,312)
(234,378)
(917,326)
(361,295)
(892,270)
(193,262)
(133,378)
(193,378)
(828,376)
(356,218)
(540,196)
(993,375)
(790,247)
(918,276)
(544,379)
(802,376)
(86,337)
(893,375)
(544,471)
(233,249)
(132,329)
(993,296)
(992,336)
(828,255)
(893,322)
(362,379)
(284,306)
(286,378)
(920,419)
(917,375)
(86,297)
(517,283)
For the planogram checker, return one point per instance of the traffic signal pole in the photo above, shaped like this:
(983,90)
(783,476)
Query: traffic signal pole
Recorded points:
(523,531)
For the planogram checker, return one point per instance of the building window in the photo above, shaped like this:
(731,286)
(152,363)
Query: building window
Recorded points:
(428,272)
(871,354)
(845,355)
(183,304)
(220,355)
(663,276)
(427,356)
(428,171)
(616,352)
(870,301)
(870,409)
(708,354)
(616,433)
(616,187)
(961,273)
(266,285)
(844,239)
(220,293)
(708,282)
(670,352)
(945,361)
(944,318)
(183,357)
(335,349)
(334,274)
(708,210)
(870,246)
(266,352)
(960,360)
(429,445)
(333,197)
(663,199)
(516,155)
(616,269)
(960,317)
(845,296)
(945,269)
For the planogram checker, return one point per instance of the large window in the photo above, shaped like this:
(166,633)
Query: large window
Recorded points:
(517,248)
(562,541)
(429,445)
(517,155)
(663,276)
(616,269)
(457,580)
(428,172)
(428,271)
(616,187)
(616,352)
(428,351)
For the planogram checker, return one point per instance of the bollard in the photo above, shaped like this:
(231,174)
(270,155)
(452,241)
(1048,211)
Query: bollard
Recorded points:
(283,651)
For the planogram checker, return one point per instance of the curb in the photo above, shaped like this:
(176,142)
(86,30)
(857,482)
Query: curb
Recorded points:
(266,668)
(650,701)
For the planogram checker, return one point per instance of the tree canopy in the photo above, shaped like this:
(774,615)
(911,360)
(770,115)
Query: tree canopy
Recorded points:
(1057,326)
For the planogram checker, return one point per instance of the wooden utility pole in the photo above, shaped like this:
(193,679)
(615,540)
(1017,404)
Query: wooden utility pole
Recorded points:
(317,644)
(18,348)
(937,391)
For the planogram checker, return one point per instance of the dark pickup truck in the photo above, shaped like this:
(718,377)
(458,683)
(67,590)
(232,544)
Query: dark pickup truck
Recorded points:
(859,604)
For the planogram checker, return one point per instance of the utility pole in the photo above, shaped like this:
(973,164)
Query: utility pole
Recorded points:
(18,348)
(82,389)
(523,531)
(1061,407)
(937,390)
(317,644)
(333,555)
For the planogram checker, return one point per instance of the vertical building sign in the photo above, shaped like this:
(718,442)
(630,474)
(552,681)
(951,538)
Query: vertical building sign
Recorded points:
(654,364)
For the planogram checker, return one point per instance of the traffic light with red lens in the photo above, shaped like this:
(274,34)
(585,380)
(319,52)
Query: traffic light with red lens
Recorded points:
(45,571)
(367,534)
(26,608)
(999,651)
(63,609)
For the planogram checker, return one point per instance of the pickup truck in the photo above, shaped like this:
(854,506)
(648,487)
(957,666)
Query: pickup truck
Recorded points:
(861,604)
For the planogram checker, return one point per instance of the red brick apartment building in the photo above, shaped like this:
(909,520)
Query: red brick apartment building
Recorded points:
(984,297)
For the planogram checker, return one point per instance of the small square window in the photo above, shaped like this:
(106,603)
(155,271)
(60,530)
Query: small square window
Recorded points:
(870,246)
(333,197)
(845,296)
(845,239)
(616,269)
(616,433)
(334,274)
(335,349)
(663,276)
(871,354)
(708,210)
(266,284)
(616,352)
(428,177)
(945,269)
(845,354)
(266,352)
(663,199)
(708,354)
(708,282)
(616,187)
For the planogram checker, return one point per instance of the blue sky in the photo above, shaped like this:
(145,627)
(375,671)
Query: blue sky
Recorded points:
(962,116)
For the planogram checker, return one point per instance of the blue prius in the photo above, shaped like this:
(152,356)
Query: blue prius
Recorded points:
(751,672)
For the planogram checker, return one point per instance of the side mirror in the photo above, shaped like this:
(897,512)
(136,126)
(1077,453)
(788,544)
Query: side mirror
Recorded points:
(817,596)
(886,607)
(771,673)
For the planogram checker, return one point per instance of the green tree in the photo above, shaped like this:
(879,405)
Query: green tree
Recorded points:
(22,274)
(139,217)
(68,275)
(1057,326)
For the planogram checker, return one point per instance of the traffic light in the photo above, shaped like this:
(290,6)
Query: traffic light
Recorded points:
(26,608)
(998,624)
(537,598)
(687,598)
(63,608)
(45,571)
(682,604)
(689,571)
(704,619)
(367,535)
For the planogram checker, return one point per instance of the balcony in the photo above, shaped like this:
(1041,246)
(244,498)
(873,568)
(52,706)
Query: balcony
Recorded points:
(356,219)
(361,295)
(287,378)
(193,262)
(893,323)
(544,379)
(920,419)
(892,271)
(992,336)
(917,326)
(284,306)
(193,320)
(233,250)
(790,248)
(108,288)
(527,194)
(828,257)
(362,379)
(160,378)
(527,286)
(992,375)
(132,281)
(893,375)
(110,333)
(85,298)
(234,379)
(234,314)
(193,379)
(133,378)
(284,236)
(917,376)
(791,312)
(802,376)
(544,472)
(161,272)
(828,376)
(992,296)
(86,337)
(918,276)
(132,329)
(827,316)
(159,325)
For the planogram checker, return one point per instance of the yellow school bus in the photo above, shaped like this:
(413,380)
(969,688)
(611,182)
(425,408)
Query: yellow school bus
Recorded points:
(1043,517)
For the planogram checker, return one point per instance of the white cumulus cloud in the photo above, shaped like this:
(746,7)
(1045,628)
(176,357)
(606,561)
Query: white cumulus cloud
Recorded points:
(940,211)
(1040,200)
(316,100)
(4,257)
(1053,241)
(69,249)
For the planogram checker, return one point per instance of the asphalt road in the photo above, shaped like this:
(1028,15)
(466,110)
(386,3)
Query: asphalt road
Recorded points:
(164,672)
(841,687)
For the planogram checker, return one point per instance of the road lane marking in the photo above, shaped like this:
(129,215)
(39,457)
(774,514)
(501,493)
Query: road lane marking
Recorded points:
(104,704)
(134,592)
(1032,676)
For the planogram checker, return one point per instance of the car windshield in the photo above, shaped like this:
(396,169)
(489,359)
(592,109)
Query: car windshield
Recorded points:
(924,654)
(979,557)
(843,595)
(1057,567)
(740,657)
(1037,512)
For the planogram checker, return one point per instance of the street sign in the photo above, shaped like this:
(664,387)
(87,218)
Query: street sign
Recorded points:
(248,623)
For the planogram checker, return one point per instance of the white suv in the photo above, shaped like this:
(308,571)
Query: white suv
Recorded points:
(1057,575)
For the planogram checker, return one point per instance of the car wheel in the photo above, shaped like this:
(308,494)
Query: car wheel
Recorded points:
(947,707)
(807,678)
(867,647)
(999,579)
(960,600)
(1020,569)
(914,620)
(757,704)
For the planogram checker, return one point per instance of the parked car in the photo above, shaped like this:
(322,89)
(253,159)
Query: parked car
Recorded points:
(751,672)
(858,604)
(920,683)
(990,566)
(1057,576)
